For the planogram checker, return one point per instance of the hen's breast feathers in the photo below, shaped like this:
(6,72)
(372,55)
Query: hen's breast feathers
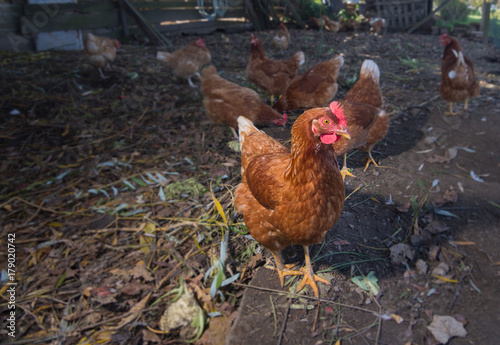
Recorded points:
(293,203)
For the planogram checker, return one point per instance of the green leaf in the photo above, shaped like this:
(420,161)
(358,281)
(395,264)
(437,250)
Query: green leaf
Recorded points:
(138,181)
(367,283)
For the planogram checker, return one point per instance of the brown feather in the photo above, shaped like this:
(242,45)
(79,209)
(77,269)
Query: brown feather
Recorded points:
(316,87)
(225,101)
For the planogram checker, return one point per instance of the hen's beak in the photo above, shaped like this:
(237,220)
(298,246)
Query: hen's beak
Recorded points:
(344,132)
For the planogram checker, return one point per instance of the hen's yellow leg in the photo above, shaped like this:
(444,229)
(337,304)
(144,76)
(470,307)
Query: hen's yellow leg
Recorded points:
(284,270)
(309,277)
(369,160)
(465,105)
(344,171)
(451,112)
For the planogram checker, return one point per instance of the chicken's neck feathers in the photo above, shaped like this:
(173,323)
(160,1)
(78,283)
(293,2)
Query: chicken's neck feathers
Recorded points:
(307,154)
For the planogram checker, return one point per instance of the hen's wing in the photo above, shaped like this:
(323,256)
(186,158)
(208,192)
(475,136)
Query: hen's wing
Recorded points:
(262,159)
(360,118)
(367,89)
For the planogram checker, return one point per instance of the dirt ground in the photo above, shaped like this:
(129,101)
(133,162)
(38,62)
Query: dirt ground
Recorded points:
(96,256)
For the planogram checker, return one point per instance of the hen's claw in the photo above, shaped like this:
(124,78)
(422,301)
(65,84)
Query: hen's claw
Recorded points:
(309,277)
(283,270)
(369,160)
(344,171)
(451,112)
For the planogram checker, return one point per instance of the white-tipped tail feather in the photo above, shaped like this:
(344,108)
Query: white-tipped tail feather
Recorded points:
(164,56)
(301,58)
(340,59)
(244,125)
(370,69)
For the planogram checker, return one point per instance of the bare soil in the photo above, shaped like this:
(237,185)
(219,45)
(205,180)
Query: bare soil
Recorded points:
(94,256)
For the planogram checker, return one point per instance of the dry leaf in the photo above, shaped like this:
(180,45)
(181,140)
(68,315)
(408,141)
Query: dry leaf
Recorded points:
(135,311)
(421,266)
(436,227)
(150,337)
(341,243)
(401,252)
(441,270)
(452,153)
(183,314)
(437,159)
(140,271)
(443,328)
(397,318)
(405,207)
(132,289)
(450,195)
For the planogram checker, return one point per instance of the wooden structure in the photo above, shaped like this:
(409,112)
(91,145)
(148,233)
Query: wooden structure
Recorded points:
(21,22)
(400,15)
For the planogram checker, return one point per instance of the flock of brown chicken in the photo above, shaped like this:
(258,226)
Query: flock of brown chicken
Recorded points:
(295,196)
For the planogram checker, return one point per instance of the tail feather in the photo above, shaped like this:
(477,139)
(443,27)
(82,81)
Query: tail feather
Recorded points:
(369,69)
(460,59)
(164,56)
(245,125)
(300,57)
(340,60)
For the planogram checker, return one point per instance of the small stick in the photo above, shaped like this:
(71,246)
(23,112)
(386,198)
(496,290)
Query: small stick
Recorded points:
(284,322)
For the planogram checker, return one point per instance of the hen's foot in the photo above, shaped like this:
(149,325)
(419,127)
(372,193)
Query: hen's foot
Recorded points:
(283,270)
(310,279)
(451,112)
(369,159)
(344,171)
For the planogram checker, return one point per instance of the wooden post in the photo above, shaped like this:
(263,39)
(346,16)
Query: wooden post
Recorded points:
(440,7)
(485,20)
(123,18)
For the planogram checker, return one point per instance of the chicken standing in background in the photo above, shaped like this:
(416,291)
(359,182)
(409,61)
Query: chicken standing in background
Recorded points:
(377,25)
(316,87)
(292,197)
(187,61)
(272,76)
(458,82)
(366,121)
(331,25)
(282,38)
(100,51)
(225,101)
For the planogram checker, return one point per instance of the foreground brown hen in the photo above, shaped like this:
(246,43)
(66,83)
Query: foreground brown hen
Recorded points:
(100,51)
(316,87)
(187,62)
(272,76)
(366,121)
(292,197)
(225,101)
(458,81)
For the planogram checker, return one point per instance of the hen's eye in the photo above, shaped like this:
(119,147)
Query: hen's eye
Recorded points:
(326,122)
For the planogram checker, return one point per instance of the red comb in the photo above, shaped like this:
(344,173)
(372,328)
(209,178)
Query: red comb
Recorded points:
(338,110)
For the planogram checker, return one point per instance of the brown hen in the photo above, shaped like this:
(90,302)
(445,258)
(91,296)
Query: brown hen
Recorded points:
(458,81)
(225,101)
(272,76)
(282,38)
(100,51)
(187,61)
(316,87)
(366,121)
(292,197)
